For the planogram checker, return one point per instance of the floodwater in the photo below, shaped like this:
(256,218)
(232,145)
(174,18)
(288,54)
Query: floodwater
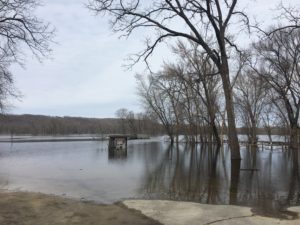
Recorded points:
(268,181)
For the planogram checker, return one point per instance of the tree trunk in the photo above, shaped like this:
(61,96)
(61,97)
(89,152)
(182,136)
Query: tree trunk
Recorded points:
(234,181)
(253,135)
(212,116)
(294,137)
(232,133)
(216,134)
(171,139)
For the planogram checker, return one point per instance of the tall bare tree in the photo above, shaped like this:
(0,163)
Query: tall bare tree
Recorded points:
(158,99)
(278,58)
(250,99)
(205,22)
(201,75)
(189,91)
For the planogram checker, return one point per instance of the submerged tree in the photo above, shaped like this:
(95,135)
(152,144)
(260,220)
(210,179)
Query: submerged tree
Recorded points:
(190,88)
(203,22)
(278,63)
(161,98)
(201,75)
(250,99)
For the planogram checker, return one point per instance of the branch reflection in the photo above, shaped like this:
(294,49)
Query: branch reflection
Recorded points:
(267,181)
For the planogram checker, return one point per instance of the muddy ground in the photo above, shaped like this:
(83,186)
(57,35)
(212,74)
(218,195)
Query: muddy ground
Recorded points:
(38,209)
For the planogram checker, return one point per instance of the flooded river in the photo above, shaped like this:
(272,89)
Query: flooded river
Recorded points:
(267,181)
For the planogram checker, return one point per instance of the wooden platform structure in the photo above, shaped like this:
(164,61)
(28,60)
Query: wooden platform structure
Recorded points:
(118,142)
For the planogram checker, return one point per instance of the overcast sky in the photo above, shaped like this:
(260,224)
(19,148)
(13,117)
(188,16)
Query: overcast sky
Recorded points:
(84,76)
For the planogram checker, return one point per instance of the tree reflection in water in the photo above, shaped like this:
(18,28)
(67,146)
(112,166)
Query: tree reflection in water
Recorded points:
(267,181)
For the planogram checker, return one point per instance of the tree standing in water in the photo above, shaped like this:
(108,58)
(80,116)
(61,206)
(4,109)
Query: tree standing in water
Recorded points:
(278,57)
(203,22)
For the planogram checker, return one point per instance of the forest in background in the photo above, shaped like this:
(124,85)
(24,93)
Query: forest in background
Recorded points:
(130,123)
(49,125)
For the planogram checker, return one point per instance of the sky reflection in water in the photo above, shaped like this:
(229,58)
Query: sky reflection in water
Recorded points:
(268,180)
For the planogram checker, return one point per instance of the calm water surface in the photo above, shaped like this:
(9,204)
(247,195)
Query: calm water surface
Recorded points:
(268,181)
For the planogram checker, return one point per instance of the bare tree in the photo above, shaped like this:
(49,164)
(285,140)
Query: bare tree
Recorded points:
(201,21)
(278,58)
(122,115)
(250,99)
(132,123)
(199,73)
(156,98)
(274,114)
(19,29)
(289,17)
(189,88)
(7,88)
(267,121)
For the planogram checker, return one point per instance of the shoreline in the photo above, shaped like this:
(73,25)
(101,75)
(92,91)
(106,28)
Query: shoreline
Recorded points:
(27,208)
(19,208)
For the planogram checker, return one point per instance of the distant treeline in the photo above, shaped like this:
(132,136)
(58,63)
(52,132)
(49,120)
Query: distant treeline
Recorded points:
(48,125)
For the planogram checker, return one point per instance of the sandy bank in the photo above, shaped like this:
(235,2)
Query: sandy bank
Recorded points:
(38,209)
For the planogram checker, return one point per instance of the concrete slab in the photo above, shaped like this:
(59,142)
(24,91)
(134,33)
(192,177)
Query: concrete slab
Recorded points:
(187,213)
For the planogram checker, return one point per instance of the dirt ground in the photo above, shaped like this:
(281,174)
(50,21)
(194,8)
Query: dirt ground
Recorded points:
(19,208)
